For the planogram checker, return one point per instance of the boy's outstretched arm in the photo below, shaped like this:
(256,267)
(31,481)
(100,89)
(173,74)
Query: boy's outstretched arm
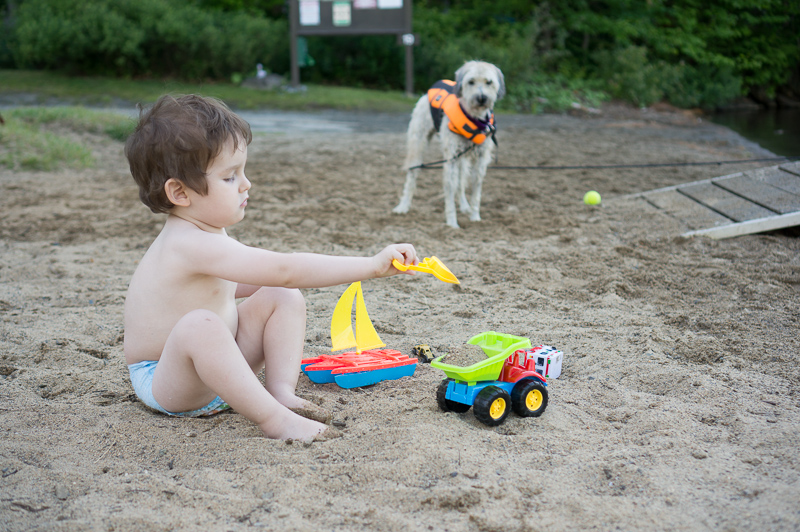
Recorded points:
(224,257)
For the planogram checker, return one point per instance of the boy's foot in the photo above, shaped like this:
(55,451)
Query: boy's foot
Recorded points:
(304,407)
(328,434)
(296,428)
(312,411)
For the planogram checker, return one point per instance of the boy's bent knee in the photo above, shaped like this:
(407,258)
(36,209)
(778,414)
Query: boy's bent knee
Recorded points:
(283,297)
(293,299)
(293,296)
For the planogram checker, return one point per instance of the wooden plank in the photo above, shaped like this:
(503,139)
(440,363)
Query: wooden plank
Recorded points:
(761,193)
(784,180)
(792,168)
(665,189)
(695,215)
(746,228)
(726,203)
(776,176)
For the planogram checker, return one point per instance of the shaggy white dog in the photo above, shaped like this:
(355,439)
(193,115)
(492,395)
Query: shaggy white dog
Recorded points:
(478,85)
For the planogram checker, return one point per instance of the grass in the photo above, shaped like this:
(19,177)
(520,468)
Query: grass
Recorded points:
(44,87)
(38,137)
(33,138)
(38,87)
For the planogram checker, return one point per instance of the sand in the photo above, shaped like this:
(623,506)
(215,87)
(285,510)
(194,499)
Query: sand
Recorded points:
(677,408)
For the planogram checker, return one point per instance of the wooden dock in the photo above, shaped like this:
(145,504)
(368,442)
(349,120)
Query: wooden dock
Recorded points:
(748,202)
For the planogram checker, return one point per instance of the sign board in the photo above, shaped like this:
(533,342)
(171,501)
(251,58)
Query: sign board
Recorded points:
(351,17)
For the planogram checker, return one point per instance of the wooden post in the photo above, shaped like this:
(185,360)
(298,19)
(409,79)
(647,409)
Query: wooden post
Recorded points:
(409,50)
(294,18)
(409,70)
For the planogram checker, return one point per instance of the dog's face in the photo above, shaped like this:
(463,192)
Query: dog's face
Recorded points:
(478,86)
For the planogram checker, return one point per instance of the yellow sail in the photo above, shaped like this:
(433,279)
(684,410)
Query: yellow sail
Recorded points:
(366,335)
(342,336)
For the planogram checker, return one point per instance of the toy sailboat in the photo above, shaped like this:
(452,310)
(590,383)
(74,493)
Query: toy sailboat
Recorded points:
(367,364)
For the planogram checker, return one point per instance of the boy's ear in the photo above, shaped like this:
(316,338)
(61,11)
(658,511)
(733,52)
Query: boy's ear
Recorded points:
(176,192)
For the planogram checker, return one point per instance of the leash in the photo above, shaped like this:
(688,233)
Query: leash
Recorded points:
(436,164)
(491,132)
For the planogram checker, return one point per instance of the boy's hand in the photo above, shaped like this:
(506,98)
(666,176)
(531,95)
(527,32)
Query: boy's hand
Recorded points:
(404,253)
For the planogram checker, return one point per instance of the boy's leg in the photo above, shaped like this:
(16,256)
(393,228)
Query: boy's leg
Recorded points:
(272,328)
(201,360)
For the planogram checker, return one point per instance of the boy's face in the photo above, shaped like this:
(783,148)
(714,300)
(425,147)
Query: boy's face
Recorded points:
(227,195)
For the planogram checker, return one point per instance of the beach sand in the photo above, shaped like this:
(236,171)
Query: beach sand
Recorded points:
(678,407)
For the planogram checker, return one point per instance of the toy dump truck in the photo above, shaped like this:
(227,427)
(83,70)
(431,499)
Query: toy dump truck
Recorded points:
(506,380)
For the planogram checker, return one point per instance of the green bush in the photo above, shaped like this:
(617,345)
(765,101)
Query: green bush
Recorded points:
(689,52)
(705,86)
(630,76)
(541,92)
(133,38)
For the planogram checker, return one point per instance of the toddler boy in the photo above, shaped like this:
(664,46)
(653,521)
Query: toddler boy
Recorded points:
(191,350)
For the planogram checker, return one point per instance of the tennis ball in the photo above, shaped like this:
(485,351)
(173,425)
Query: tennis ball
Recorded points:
(591,198)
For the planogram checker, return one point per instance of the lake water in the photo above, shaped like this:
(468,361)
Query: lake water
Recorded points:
(777,130)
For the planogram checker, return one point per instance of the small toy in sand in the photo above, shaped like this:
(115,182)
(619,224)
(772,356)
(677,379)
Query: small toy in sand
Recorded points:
(548,360)
(506,379)
(423,352)
(367,365)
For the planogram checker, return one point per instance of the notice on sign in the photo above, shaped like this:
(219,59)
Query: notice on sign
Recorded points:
(365,4)
(390,4)
(309,12)
(341,14)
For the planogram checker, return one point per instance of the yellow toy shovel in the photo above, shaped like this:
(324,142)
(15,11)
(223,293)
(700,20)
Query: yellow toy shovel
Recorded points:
(430,265)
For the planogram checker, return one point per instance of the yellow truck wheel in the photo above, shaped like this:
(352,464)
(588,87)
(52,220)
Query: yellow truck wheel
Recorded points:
(492,406)
(529,398)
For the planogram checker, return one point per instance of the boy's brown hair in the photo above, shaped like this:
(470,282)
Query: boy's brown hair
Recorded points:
(179,138)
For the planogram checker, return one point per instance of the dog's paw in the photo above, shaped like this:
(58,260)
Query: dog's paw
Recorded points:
(401,209)
(475,217)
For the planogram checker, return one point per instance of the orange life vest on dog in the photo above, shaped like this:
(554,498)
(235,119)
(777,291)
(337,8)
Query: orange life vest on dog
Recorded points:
(443,100)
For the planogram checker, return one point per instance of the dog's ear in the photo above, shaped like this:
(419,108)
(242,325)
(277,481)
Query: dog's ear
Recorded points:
(501,90)
(460,73)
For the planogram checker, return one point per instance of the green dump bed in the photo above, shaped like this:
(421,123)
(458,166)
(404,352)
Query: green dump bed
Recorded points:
(497,347)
